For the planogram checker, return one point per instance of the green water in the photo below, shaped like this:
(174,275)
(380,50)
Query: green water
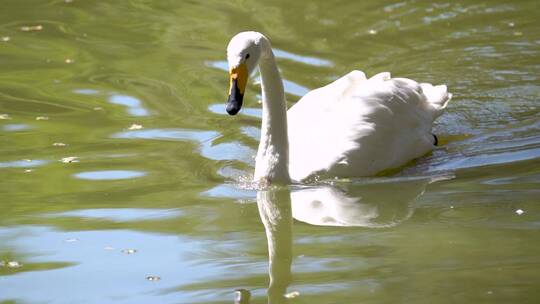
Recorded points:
(165,200)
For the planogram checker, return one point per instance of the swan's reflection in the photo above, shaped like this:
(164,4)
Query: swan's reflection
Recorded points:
(378,203)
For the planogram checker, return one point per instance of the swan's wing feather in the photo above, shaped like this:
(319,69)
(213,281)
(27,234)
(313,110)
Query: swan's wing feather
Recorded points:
(357,126)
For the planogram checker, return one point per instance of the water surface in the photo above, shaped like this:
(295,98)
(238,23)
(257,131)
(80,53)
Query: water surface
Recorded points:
(121,174)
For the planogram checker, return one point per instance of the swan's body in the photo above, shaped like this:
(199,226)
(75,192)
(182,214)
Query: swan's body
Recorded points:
(352,127)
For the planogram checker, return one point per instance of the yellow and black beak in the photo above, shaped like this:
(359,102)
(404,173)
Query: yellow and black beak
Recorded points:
(238,82)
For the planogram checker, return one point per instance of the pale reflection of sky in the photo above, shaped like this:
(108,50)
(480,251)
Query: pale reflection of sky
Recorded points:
(97,267)
(109,174)
(303,59)
(15,127)
(22,163)
(222,151)
(133,105)
(121,214)
(86,91)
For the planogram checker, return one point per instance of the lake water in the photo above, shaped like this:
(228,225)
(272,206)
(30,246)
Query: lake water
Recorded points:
(122,178)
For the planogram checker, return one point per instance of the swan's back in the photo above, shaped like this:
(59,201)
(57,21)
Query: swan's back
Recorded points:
(358,127)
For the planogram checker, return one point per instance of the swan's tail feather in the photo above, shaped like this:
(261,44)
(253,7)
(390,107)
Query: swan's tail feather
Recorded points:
(437,97)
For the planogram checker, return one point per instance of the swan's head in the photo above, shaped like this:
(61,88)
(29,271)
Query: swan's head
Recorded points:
(243,54)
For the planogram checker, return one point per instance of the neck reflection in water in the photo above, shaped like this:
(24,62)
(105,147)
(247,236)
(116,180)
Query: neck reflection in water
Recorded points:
(372,203)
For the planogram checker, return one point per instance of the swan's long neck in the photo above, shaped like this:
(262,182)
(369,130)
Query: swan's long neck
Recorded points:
(272,163)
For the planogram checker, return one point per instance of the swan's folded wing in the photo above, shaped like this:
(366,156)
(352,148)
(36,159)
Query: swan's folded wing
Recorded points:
(319,128)
(357,126)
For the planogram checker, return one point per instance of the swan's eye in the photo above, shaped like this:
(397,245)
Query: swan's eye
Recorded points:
(247,56)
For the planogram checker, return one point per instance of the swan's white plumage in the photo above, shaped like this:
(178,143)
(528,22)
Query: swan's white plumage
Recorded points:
(354,126)
(357,126)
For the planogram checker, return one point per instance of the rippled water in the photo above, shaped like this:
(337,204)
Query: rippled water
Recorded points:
(121,175)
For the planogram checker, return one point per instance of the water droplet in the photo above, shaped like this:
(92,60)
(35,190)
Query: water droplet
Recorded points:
(519,212)
(70,159)
(153,278)
(129,251)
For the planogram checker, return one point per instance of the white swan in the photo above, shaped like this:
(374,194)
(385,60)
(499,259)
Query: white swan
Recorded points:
(352,127)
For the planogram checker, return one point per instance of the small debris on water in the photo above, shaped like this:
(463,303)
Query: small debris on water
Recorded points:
(32,28)
(4,116)
(13,264)
(6,38)
(42,118)
(28,160)
(28,170)
(98,108)
(372,32)
(108,248)
(519,212)
(511,24)
(242,296)
(451,207)
(70,159)
(153,278)
(129,251)
(69,60)
(71,240)
(518,33)
(489,292)
(292,294)
(135,127)
(59,144)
